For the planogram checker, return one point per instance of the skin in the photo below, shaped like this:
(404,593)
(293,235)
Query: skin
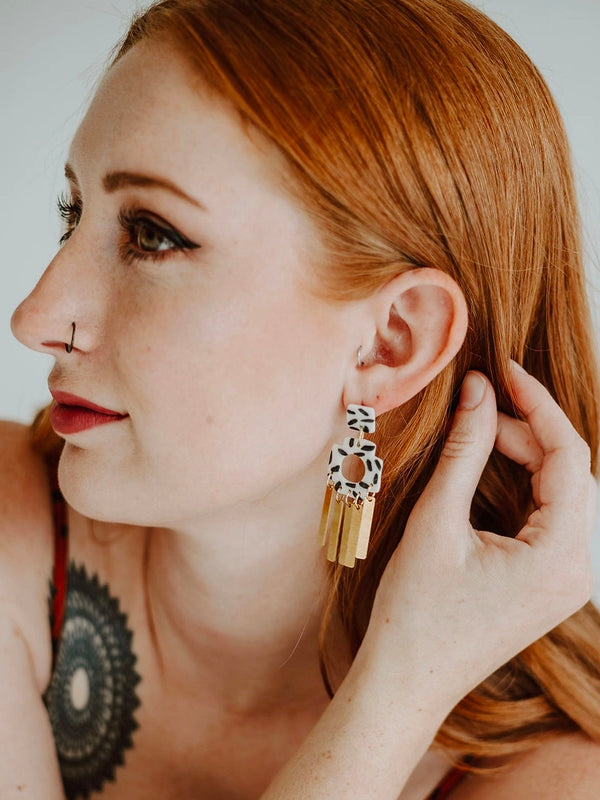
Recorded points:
(225,346)
(235,377)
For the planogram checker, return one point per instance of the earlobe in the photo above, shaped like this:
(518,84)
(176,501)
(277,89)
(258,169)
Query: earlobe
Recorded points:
(420,321)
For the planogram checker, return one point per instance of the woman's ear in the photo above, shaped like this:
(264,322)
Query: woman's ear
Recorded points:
(418,322)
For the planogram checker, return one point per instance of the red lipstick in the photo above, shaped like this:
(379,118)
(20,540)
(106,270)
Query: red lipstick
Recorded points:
(72,414)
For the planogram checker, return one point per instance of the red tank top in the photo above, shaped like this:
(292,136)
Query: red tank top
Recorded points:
(450,780)
(61,558)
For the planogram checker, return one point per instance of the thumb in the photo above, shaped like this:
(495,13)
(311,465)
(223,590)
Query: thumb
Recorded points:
(466,449)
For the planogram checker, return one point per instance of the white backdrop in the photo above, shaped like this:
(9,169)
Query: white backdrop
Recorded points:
(53,52)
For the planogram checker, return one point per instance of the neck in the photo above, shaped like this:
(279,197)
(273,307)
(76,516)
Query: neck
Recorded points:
(236,600)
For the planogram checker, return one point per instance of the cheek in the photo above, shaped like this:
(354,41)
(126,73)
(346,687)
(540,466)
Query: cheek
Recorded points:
(239,401)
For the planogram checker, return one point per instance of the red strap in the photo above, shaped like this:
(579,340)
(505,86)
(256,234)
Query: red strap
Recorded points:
(61,554)
(450,780)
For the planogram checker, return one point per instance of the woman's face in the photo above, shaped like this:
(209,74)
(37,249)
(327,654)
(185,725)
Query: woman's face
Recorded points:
(196,321)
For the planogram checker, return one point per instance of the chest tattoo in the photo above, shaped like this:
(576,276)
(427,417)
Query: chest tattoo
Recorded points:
(91,698)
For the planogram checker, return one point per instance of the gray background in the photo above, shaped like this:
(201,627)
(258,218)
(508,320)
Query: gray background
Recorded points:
(52,54)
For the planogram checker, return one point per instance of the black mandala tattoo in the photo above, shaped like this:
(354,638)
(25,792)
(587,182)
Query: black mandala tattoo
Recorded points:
(91,697)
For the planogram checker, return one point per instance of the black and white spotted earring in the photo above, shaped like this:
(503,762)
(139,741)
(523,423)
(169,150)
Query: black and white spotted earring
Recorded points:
(349,504)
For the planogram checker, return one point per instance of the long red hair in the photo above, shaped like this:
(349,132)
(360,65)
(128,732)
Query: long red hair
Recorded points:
(417,133)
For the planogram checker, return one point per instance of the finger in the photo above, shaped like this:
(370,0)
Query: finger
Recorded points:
(515,439)
(466,450)
(563,473)
(549,424)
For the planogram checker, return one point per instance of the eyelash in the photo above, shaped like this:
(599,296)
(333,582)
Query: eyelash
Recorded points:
(130,222)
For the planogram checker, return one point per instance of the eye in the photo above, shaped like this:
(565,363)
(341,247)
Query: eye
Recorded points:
(145,236)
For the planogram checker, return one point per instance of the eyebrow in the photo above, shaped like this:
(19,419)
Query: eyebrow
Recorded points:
(113,181)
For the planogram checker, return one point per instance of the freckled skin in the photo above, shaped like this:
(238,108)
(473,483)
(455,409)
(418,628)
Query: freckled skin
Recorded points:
(219,345)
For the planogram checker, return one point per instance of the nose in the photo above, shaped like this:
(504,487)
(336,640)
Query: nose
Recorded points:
(62,312)
(26,325)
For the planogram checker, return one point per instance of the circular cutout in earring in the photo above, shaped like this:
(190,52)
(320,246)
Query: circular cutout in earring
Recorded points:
(359,360)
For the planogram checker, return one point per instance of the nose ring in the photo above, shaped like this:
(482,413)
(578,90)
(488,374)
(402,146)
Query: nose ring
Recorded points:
(69,347)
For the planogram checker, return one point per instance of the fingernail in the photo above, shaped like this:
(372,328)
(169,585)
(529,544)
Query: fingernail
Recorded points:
(472,391)
(517,367)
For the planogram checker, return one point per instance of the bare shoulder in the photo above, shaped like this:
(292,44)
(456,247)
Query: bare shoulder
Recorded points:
(564,768)
(26,544)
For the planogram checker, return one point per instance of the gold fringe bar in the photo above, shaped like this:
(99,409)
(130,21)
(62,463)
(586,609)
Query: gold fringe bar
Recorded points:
(325,514)
(333,529)
(347,547)
(364,532)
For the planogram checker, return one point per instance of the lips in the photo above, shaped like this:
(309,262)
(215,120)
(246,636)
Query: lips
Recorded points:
(72,414)
(67,399)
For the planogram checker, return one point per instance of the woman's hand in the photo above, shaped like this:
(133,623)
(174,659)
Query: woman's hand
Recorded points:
(454,604)
(459,602)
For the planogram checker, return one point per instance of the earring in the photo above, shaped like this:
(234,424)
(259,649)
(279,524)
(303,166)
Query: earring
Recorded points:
(348,506)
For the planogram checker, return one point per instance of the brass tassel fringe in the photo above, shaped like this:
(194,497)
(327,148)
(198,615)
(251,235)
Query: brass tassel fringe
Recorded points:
(346,527)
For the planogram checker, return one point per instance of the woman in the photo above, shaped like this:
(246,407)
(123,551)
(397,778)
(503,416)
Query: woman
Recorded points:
(279,210)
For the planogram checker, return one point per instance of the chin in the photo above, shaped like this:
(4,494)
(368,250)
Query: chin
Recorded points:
(95,491)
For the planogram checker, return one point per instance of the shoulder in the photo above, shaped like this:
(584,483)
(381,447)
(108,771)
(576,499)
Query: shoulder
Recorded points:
(567,766)
(26,544)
